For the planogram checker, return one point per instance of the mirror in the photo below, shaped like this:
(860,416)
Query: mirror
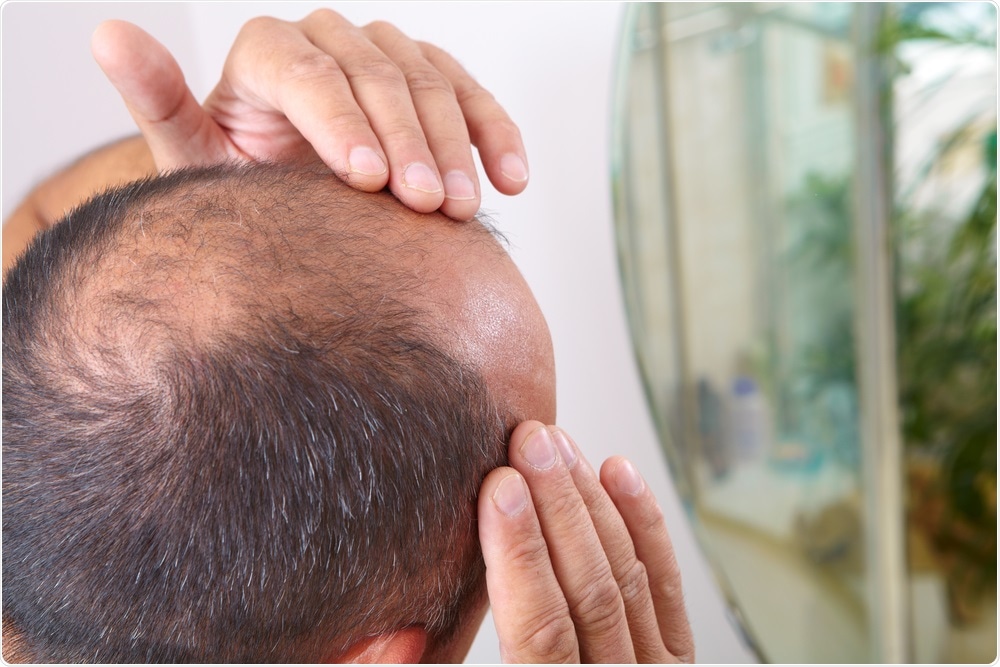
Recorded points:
(806,217)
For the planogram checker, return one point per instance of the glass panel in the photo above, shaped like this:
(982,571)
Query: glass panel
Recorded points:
(647,279)
(743,320)
(748,152)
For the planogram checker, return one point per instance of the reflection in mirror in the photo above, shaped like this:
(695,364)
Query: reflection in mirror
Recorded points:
(806,213)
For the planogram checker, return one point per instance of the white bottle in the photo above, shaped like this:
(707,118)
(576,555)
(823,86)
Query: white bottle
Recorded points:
(749,421)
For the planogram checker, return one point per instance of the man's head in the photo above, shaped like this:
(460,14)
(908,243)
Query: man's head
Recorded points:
(246,414)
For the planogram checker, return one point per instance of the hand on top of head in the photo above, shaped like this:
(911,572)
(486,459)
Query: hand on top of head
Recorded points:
(375,106)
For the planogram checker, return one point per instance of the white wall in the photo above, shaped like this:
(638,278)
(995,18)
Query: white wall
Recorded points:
(550,64)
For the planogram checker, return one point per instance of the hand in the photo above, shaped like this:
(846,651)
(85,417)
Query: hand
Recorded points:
(578,568)
(375,106)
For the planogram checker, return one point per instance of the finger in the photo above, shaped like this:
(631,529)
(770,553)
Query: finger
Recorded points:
(644,519)
(628,570)
(177,129)
(491,129)
(577,556)
(380,90)
(530,613)
(440,118)
(279,73)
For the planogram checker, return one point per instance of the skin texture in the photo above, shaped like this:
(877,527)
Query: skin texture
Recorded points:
(492,321)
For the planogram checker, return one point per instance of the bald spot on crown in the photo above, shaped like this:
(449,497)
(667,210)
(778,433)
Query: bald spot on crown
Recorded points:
(208,258)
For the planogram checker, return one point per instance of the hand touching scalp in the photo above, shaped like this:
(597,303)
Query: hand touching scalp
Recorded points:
(579,565)
(377,107)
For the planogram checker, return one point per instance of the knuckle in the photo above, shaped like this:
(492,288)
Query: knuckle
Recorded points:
(476,95)
(634,582)
(564,507)
(686,653)
(600,606)
(323,15)
(378,29)
(378,71)
(671,572)
(552,639)
(651,519)
(258,26)
(426,79)
(426,47)
(315,65)
(527,554)
(675,603)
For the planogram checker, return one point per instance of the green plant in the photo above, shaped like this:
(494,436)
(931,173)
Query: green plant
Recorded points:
(946,333)
(947,363)
(946,324)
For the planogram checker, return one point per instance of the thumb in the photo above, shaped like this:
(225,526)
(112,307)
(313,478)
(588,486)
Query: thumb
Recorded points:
(179,132)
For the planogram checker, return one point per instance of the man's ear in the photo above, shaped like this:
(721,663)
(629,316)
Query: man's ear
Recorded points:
(400,647)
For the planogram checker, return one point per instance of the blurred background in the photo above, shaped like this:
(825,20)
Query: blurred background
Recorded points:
(764,239)
(806,213)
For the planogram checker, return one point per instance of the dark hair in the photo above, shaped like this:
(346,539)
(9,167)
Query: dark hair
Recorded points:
(226,434)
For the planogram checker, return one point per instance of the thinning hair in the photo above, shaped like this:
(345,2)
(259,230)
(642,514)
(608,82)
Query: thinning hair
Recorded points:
(229,436)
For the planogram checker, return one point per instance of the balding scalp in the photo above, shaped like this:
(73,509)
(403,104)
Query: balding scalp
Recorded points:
(230,434)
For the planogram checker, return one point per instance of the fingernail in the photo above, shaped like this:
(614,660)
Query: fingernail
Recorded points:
(513,168)
(363,160)
(566,449)
(418,176)
(510,496)
(458,186)
(627,478)
(538,449)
